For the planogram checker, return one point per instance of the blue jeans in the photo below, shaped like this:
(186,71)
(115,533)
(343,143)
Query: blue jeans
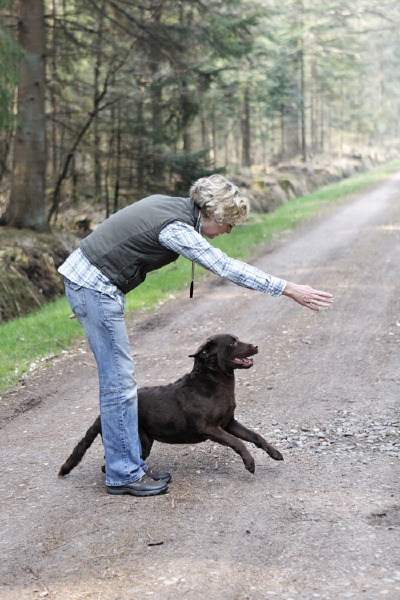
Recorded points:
(102,318)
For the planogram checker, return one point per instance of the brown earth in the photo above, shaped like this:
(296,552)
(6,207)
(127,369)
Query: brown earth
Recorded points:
(324,389)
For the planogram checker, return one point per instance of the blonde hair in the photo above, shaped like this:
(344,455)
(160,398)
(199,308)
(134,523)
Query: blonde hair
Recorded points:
(218,197)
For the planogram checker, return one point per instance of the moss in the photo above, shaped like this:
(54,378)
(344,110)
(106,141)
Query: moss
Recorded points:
(18,296)
(28,270)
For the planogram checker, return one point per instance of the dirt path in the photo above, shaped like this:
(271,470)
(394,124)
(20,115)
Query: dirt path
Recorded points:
(324,389)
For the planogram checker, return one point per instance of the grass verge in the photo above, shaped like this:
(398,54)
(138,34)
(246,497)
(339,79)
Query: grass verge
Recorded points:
(30,341)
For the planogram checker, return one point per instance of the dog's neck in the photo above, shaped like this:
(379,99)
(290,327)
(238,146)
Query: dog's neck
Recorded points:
(206,370)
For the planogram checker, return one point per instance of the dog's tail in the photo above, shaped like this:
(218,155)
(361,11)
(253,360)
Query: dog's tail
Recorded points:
(81,447)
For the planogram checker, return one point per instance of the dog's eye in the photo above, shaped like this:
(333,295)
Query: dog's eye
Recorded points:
(234,343)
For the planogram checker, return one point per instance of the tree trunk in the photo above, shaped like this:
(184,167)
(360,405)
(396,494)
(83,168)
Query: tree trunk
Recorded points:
(186,118)
(214,136)
(282,151)
(5,143)
(52,69)
(27,207)
(322,124)
(141,150)
(301,60)
(118,162)
(75,178)
(97,142)
(314,123)
(302,104)
(203,121)
(157,127)
(109,163)
(246,134)
(156,91)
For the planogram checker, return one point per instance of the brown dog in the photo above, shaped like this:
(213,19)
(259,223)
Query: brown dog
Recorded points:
(197,407)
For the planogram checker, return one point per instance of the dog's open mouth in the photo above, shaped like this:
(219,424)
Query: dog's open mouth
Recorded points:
(243,362)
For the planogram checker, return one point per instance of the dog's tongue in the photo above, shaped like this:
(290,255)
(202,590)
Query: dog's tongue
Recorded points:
(243,361)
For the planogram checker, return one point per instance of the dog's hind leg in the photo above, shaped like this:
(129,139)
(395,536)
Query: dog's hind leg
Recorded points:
(240,431)
(81,447)
(216,434)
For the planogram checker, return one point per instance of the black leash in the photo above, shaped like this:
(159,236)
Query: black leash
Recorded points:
(192,279)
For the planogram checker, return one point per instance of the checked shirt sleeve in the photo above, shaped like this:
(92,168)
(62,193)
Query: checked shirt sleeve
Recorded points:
(184,240)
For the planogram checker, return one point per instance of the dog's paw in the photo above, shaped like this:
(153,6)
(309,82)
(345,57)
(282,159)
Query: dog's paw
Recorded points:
(250,465)
(274,453)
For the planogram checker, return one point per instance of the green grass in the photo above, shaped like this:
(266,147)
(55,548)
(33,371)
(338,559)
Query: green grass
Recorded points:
(34,339)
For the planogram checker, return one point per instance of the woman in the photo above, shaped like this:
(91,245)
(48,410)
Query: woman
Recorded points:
(115,259)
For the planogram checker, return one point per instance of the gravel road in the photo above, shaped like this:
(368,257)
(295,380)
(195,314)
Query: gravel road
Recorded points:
(324,390)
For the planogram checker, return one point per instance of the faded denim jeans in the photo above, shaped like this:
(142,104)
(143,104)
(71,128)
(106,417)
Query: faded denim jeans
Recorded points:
(102,318)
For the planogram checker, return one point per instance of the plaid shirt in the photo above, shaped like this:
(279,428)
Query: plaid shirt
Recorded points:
(80,270)
(185,240)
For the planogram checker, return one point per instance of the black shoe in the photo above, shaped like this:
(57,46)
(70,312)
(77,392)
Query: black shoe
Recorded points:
(146,486)
(166,477)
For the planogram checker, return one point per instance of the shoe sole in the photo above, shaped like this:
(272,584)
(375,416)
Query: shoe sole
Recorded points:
(137,492)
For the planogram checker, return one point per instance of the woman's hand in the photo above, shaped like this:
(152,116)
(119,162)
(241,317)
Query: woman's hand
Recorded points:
(307,296)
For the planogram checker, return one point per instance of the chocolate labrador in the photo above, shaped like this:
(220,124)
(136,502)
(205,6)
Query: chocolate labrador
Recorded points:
(197,407)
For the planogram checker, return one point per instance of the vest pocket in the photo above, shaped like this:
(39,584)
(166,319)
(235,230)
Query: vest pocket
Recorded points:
(131,277)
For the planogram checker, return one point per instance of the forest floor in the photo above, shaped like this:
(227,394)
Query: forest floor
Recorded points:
(324,390)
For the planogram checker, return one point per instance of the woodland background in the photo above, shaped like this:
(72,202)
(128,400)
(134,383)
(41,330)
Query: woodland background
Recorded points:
(110,100)
(105,101)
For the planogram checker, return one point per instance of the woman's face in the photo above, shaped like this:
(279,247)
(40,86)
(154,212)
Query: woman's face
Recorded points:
(211,229)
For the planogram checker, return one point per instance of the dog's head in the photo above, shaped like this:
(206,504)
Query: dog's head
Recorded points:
(225,352)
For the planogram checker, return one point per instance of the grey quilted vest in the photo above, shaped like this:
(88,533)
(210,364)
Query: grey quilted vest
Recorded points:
(125,246)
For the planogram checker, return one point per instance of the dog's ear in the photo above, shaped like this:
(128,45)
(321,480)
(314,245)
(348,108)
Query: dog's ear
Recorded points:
(209,348)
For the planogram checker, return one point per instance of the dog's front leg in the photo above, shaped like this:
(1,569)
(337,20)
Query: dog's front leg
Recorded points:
(146,442)
(240,431)
(216,434)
